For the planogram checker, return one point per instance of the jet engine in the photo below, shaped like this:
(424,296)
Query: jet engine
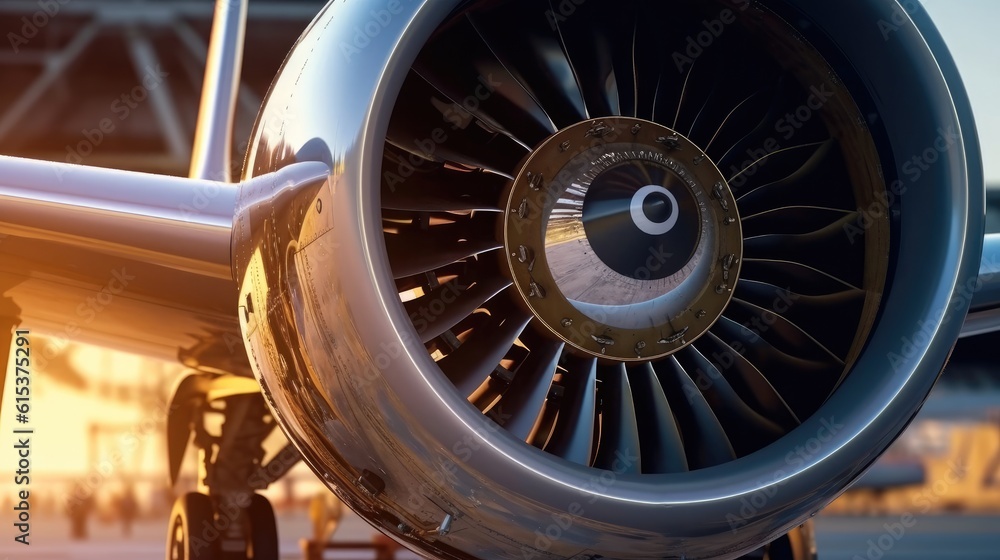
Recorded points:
(607,279)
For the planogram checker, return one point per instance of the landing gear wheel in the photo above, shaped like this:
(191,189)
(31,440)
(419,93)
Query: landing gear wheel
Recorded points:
(190,511)
(262,536)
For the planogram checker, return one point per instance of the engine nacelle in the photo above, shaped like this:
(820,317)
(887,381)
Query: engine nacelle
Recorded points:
(607,279)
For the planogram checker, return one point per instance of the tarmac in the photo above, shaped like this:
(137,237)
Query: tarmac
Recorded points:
(949,537)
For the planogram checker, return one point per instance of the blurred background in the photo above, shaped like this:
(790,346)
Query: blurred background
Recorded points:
(99,451)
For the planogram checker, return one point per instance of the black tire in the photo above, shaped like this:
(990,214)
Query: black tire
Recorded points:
(262,542)
(191,512)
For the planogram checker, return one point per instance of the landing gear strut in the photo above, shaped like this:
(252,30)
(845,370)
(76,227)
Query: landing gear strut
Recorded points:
(226,519)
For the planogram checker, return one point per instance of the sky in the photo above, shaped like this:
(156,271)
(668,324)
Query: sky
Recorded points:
(969,28)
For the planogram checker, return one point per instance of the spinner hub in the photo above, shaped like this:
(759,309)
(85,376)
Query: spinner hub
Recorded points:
(623,238)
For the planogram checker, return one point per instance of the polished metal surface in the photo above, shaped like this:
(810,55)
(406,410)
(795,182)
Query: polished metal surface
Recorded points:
(986,292)
(213,140)
(127,260)
(165,221)
(360,396)
(984,315)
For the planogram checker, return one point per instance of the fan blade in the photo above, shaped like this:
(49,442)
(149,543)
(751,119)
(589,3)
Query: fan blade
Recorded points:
(659,438)
(522,403)
(790,220)
(797,277)
(442,308)
(534,57)
(829,249)
(806,384)
(705,441)
(755,130)
(747,430)
(458,63)
(752,387)
(473,362)
(440,276)
(431,187)
(831,319)
(818,182)
(738,95)
(619,449)
(599,44)
(573,436)
(780,332)
(414,250)
(428,124)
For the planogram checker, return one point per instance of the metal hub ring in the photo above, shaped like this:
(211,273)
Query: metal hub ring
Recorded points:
(623,238)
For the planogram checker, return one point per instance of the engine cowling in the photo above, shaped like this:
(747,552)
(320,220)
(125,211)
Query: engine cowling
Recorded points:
(607,279)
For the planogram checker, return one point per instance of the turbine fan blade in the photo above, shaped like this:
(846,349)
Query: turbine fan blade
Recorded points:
(705,440)
(829,249)
(806,383)
(414,250)
(441,309)
(432,187)
(480,86)
(432,126)
(619,447)
(478,357)
(753,388)
(543,69)
(659,437)
(573,436)
(524,399)
(747,430)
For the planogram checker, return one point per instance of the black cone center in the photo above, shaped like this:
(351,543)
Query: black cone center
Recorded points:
(642,220)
